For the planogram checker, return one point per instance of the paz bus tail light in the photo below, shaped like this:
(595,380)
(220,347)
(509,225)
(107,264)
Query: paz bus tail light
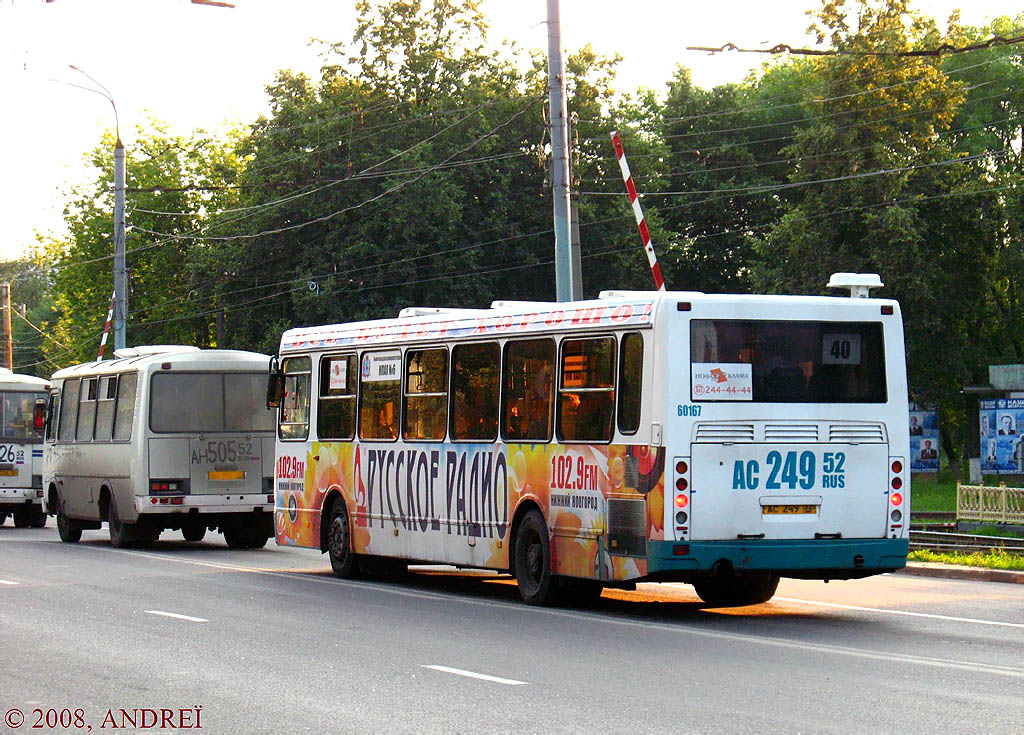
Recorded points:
(898,494)
(680,495)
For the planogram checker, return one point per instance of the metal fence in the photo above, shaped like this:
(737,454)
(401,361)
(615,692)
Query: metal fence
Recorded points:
(998,504)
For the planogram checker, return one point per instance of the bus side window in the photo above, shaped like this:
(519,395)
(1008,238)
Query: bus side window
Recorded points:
(380,390)
(105,407)
(631,369)
(87,409)
(68,410)
(426,395)
(294,422)
(336,402)
(52,412)
(528,390)
(586,390)
(475,383)
(124,411)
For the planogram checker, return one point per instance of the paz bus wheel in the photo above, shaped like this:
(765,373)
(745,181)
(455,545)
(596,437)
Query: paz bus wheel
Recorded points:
(339,541)
(193,533)
(119,532)
(22,519)
(38,519)
(3,518)
(533,560)
(68,530)
(737,590)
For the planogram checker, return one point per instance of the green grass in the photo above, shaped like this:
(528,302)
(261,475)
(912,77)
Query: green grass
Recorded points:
(993,560)
(928,495)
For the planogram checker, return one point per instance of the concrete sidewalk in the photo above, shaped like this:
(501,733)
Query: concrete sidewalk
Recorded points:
(956,571)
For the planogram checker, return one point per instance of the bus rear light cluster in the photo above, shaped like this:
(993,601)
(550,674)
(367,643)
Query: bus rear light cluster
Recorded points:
(896,498)
(681,496)
(159,487)
(179,500)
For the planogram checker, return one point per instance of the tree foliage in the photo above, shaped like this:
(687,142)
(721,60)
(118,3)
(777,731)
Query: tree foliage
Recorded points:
(413,171)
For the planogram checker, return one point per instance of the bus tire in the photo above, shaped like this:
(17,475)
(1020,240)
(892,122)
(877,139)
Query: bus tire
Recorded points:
(3,518)
(738,590)
(38,518)
(257,542)
(193,533)
(533,560)
(120,532)
(68,530)
(22,519)
(339,541)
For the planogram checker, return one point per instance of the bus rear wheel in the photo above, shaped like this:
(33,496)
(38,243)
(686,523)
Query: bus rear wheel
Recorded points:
(533,560)
(67,528)
(38,518)
(22,519)
(738,589)
(193,533)
(339,542)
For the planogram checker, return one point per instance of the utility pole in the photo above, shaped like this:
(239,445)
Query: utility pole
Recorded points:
(120,279)
(559,156)
(5,293)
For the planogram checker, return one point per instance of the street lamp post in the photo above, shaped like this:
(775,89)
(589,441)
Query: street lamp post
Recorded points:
(120,276)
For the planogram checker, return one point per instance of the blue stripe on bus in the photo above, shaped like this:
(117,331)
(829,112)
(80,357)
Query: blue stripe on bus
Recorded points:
(879,555)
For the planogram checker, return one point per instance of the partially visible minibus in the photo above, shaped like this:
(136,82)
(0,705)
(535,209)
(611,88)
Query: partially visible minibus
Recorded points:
(162,437)
(719,440)
(21,448)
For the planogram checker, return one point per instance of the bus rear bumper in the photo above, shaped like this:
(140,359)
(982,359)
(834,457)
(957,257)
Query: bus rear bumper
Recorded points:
(12,498)
(234,503)
(800,558)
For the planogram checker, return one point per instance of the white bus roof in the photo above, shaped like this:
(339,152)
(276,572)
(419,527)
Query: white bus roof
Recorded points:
(614,309)
(10,380)
(185,357)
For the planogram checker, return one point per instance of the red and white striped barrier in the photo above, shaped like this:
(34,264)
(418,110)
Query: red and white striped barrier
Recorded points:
(106,329)
(641,224)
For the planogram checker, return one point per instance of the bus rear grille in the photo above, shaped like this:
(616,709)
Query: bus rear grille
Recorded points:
(791,432)
(856,433)
(725,433)
(627,527)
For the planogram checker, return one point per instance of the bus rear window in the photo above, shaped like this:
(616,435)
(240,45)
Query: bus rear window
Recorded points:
(787,361)
(209,402)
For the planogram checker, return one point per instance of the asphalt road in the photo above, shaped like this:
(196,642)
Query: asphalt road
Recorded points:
(268,641)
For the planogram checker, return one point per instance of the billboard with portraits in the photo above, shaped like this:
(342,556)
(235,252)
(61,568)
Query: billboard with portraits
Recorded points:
(1002,424)
(924,439)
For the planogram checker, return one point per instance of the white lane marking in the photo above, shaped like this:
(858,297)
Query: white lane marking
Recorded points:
(473,674)
(933,616)
(177,616)
(4,581)
(595,618)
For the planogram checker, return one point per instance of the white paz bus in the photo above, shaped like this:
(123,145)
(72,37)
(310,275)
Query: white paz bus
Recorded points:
(722,441)
(162,437)
(21,448)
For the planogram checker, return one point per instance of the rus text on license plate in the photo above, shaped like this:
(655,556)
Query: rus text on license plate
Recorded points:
(789,509)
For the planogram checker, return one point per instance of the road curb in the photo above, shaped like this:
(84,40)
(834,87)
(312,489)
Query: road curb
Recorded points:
(953,571)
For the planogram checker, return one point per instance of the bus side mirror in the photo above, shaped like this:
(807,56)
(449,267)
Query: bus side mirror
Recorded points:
(275,390)
(39,414)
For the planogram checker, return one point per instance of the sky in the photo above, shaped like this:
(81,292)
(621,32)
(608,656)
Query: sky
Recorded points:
(204,67)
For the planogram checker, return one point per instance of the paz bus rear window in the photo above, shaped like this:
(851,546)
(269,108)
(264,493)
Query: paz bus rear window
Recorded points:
(786,361)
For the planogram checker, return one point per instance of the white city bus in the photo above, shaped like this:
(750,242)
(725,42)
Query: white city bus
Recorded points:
(21,449)
(162,437)
(722,441)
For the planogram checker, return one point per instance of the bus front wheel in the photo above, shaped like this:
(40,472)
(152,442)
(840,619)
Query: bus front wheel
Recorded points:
(339,542)
(533,560)
(68,530)
(738,589)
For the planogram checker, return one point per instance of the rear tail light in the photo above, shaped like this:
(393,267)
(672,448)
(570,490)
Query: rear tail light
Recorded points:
(681,497)
(896,498)
(172,487)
